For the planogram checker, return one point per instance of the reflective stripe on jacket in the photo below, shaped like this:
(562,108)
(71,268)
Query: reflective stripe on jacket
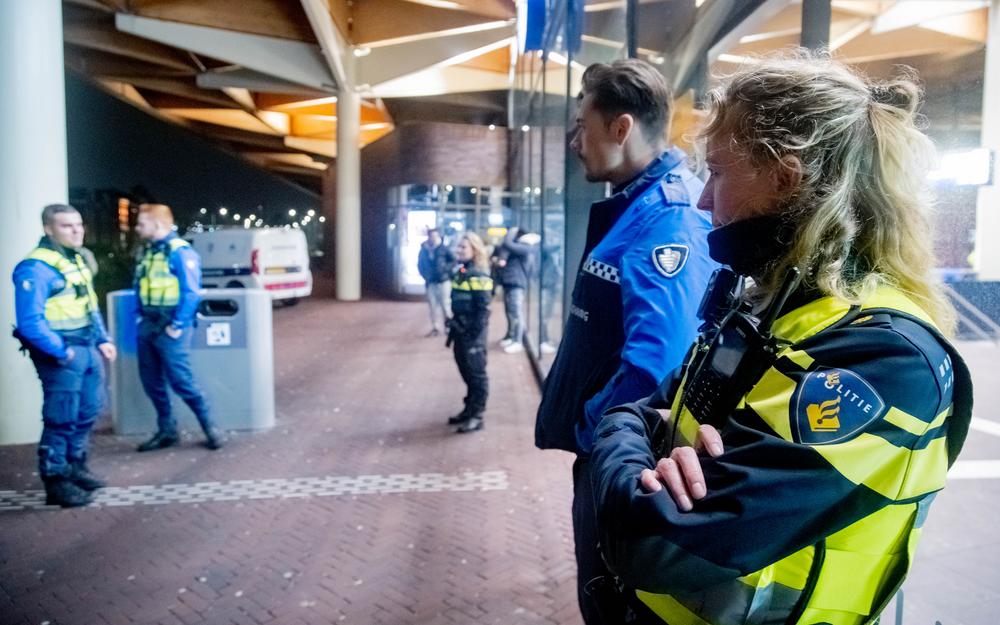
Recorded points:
(158,286)
(71,307)
(831,461)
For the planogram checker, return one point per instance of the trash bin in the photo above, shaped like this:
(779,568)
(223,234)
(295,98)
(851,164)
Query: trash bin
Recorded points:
(231,354)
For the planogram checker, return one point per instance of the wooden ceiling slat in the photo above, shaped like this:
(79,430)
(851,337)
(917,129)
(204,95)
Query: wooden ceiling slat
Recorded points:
(178,87)
(97,63)
(496,61)
(105,38)
(274,18)
(394,19)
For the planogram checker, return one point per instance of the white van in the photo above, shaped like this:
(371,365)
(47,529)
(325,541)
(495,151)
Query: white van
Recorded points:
(273,259)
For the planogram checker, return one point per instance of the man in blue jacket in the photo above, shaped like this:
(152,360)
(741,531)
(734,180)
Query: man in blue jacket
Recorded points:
(645,267)
(166,282)
(59,324)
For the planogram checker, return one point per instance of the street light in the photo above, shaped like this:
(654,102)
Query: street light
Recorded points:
(291,212)
(322,219)
(311,212)
(223,211)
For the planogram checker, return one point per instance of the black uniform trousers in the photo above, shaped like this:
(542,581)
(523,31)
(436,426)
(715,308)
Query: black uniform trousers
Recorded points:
(470,356)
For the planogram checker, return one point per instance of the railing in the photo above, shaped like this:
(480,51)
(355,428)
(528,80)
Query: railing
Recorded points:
(972,318)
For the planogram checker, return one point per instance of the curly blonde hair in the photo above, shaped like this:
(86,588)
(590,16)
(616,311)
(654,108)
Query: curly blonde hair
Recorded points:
(861,208)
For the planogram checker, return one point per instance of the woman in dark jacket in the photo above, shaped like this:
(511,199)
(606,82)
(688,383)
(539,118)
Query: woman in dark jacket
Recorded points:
(471,290)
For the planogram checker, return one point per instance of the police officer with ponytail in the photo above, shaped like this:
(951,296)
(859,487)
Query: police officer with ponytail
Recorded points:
(167,281)
(784,475)
(59,325)
(471,292)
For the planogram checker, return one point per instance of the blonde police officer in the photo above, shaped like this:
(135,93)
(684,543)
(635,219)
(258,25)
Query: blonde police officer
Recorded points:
(167,281)
(799,463)
(59,324)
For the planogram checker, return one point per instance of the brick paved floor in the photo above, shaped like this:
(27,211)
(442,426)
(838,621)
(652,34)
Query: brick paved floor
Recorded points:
(405,522)
(361,506)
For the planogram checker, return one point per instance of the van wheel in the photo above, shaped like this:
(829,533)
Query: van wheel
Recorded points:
(233,284)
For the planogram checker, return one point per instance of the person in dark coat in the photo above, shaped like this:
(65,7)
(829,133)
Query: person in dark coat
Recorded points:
(515,260)
(435,263)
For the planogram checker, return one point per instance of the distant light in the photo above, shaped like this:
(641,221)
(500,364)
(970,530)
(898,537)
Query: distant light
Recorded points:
(203,211)
(236,217)
(361,51)
(291,212)
(525,128)
(493,126)
(260,222)
(538,190)
(448,187)
(969,167)
(252,217)
(473,190)
(457,226)
(295,225)
(223,211)
(527,189)
(656,59)
(311,212)
(322,219)
(495,219)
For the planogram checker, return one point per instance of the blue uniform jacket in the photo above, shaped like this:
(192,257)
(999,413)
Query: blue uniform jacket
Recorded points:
(34,281)
(185,264)
(632,317)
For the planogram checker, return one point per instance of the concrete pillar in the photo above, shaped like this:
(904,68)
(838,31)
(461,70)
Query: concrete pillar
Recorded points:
(32,174)
(816,16)
(987,254)
(348,226)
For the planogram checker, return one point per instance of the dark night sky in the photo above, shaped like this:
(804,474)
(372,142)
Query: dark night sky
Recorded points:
(114,145)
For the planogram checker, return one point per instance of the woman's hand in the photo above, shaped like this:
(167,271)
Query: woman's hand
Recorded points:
(681,472)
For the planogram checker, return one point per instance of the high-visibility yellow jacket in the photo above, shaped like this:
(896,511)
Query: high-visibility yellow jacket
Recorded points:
(158,285)
(71,307)
(815,508)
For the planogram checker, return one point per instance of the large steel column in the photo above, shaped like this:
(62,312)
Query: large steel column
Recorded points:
(348,226)
(816,16)
(987,254)
(32,174)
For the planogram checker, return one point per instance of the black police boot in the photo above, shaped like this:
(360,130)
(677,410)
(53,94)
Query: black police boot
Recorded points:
(460,417)
(81,476)
(214,439)
(159,441)
(472,424)
(61,491)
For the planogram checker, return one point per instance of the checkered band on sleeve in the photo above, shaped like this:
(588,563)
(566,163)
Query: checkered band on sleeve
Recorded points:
(603,271)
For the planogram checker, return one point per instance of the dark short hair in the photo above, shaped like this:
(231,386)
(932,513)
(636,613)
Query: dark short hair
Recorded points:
(431,231)
(50,211)
(630,86)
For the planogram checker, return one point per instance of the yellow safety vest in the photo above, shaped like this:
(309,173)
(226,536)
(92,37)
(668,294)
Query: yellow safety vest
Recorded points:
(158,286)
(72,307)
(850,575)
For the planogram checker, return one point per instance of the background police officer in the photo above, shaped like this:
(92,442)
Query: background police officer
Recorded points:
(60,326)
(167,280)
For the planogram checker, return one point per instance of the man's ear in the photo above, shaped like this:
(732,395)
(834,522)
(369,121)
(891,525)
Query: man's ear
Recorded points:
(48,230)
(786,175)
(622,127)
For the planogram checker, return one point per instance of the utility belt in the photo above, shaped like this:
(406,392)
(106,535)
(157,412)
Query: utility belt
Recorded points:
(158,317)
(84,337)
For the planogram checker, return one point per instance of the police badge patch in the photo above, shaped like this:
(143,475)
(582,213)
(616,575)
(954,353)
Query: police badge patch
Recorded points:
(670,259)
(832,405)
